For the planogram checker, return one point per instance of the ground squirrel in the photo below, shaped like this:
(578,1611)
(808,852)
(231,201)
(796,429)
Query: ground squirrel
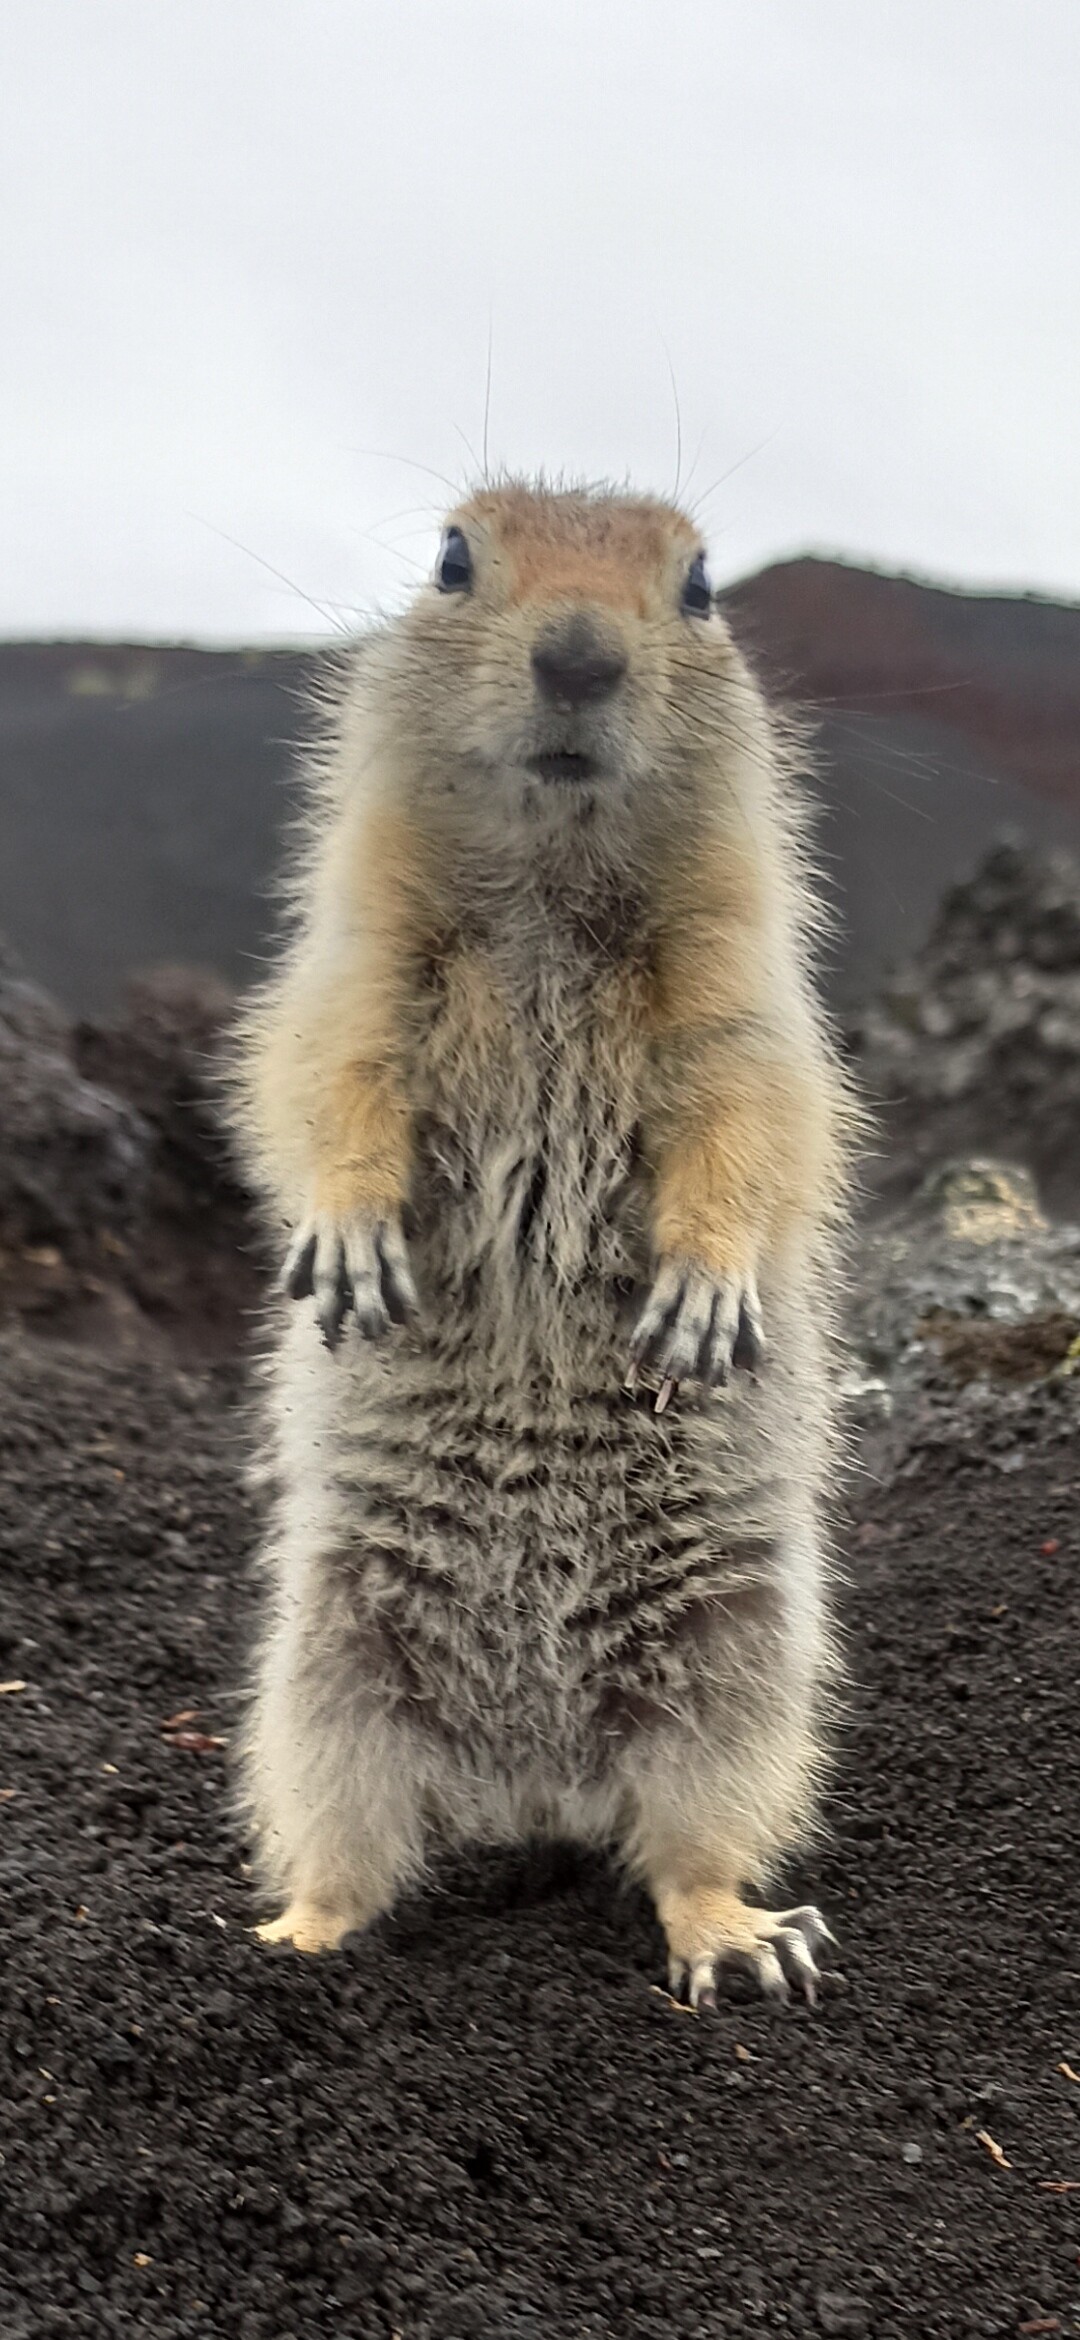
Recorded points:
(543,1097)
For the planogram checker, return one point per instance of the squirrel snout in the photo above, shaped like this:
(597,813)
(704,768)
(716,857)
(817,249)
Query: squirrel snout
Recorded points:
(574,665)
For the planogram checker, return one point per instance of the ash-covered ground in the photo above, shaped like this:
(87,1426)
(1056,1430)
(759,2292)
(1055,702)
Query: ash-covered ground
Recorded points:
(484,2121)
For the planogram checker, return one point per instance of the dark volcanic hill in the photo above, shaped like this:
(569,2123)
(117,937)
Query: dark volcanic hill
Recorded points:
(142,795)
(944,719)
(143,789)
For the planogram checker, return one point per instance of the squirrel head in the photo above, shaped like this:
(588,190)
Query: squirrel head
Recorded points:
(567,647)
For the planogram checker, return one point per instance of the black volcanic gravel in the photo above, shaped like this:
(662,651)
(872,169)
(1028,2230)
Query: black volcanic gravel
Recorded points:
(483,2122)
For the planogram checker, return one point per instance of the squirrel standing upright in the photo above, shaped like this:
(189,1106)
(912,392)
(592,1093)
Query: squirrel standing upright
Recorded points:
(543,1097)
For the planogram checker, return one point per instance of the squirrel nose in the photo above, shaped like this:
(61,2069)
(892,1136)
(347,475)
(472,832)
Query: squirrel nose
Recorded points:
(576,666)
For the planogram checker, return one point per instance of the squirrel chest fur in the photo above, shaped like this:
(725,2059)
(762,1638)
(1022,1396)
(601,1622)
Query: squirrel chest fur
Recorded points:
(543,1102)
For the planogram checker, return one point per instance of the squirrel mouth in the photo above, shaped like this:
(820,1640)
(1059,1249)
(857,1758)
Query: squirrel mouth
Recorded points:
(563,764)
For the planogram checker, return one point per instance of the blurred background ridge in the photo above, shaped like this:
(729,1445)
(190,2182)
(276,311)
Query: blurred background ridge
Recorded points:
(144,788)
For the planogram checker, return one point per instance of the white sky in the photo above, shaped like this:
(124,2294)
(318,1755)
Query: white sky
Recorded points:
(247,242)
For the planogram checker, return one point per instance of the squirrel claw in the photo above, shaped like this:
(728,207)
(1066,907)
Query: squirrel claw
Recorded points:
(360,1264)
(776,1949)
(696,1326)
(298,1273)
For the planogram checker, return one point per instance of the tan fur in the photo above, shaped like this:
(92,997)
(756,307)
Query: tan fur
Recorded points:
(568,1031)
(327,1119)
(610,556)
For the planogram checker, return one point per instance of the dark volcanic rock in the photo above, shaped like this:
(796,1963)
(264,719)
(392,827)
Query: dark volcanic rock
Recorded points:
(971,1248)
(965,1311)
(73,1157)
(195,1266)
(974,1045)
(118,1210)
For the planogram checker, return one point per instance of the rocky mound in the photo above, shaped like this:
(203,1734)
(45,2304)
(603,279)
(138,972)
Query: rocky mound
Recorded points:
(964,1320)
(974,1045)
(119,1215)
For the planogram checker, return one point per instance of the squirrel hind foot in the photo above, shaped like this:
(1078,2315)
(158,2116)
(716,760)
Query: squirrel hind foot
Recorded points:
(307,1928)
(713,1933)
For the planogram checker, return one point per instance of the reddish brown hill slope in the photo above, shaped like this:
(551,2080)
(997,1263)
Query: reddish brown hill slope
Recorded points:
(1000,671)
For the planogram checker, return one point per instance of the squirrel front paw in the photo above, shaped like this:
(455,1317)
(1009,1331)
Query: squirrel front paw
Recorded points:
(361,1263)
(696,1326)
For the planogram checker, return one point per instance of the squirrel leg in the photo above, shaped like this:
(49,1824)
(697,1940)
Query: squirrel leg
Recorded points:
(702,1831)
(331,1789)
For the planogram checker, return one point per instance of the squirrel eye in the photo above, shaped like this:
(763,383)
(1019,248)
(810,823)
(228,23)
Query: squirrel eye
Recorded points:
(453,569)
(697,591)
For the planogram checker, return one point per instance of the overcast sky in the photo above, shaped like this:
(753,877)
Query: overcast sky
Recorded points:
(260,249)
